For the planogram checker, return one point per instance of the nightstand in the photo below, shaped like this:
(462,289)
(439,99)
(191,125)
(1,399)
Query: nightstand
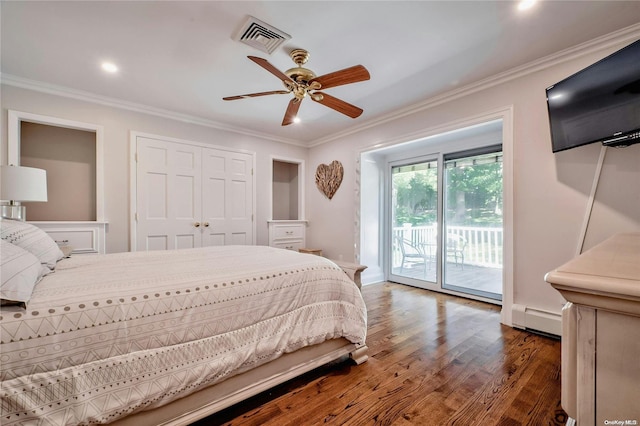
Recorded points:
(353,270)
(317,252)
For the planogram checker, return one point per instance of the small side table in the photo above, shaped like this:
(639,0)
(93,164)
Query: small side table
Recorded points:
(353,270)
(317,252)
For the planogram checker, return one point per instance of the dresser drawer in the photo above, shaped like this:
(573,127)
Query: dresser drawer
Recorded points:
(288,235)
(82,237)
(81,240)
(281,232)
(289,245)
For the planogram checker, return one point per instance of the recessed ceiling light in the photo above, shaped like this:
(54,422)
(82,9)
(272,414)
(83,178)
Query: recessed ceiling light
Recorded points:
(109,67)
(526,4)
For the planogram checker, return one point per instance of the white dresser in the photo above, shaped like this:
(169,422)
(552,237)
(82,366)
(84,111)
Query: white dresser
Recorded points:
(81,237)
(287,234)
(601,332)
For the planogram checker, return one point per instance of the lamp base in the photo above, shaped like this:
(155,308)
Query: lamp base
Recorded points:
(13,212)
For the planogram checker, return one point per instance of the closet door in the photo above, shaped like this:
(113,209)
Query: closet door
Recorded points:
(227,197)
(168,195)
(189,195)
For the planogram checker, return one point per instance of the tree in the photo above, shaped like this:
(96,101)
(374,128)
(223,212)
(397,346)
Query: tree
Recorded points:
(415,195)
(476,188)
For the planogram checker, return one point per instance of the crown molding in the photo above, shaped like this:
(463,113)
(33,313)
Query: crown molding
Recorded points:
(52,89)
(630,33)
(627,34)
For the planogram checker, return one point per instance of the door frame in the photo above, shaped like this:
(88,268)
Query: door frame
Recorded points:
(376,260)
(133,164)
(437,152)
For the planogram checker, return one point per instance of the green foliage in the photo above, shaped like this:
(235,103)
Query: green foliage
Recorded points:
(473,198)
(415,197)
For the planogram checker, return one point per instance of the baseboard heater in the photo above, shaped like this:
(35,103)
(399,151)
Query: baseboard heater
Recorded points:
(528,318)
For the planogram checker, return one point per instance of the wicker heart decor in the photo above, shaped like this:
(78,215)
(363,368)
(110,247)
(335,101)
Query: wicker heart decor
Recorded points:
(329,178)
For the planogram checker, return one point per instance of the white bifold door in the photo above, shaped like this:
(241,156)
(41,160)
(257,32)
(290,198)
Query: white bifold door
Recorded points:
(191,196)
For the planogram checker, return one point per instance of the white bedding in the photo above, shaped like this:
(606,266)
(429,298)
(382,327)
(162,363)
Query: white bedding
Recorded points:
(105,336)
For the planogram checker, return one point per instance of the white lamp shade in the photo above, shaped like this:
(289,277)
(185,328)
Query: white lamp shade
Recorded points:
(23,184)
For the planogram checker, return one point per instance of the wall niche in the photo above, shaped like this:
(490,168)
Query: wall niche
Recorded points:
(287,199)
(71,153)
(69,157)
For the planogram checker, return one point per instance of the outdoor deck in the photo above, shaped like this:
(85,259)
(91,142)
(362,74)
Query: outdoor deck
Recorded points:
(479,278)
(477,249)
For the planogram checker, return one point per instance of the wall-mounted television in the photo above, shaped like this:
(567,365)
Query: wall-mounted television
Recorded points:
(601,103)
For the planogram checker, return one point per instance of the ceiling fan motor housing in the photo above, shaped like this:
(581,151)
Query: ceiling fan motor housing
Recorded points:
(300,74)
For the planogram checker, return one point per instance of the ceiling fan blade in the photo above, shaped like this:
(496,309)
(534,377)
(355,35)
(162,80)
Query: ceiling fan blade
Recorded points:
(338,105)
(267,66)
(292,111)
(345,76)
(254,95)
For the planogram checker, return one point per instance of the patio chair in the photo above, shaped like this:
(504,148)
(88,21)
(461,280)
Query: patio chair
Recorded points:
(411,253)
(455,248)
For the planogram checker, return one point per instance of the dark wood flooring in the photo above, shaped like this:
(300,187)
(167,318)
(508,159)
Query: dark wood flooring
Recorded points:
(434,359)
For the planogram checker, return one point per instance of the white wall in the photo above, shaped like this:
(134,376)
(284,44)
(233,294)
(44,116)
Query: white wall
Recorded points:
(118,123)
(550,190)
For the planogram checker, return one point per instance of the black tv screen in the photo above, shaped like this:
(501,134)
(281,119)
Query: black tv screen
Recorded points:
(601,103)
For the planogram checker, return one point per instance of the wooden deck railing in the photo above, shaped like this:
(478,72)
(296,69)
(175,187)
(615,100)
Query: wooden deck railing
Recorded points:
(483,244)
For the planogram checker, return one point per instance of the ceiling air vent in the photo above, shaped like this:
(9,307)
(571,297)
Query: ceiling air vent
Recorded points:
(261,35)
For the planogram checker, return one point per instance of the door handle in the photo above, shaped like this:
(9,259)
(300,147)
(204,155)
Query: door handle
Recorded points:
(197,224)
(206,224)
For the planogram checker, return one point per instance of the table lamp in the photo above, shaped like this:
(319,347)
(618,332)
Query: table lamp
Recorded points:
(19,184)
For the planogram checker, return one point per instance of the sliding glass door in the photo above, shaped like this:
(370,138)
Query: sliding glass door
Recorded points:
(414,193)
(472,247)
(446,222)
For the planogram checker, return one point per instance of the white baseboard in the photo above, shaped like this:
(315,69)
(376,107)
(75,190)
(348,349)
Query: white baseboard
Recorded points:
(372,276)
(528,318)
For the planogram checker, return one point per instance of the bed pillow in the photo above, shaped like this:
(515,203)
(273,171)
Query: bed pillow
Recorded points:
(32,239)
(20,271)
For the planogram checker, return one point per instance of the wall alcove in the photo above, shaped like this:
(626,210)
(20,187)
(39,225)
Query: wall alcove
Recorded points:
(287,227)
(71,153)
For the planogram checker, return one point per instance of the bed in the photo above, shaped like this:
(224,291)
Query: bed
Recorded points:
(165,337)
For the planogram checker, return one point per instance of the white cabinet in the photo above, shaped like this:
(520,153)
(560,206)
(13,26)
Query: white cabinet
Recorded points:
(82,237)
(601,332)
(287,234)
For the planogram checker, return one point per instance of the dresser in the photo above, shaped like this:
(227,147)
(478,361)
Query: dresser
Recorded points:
(601,332)
(78,236)
(288,234)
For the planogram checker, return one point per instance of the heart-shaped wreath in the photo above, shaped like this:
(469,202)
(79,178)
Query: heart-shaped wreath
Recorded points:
(329,178)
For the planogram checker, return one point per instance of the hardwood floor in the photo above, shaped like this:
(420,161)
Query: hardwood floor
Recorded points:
(433,360)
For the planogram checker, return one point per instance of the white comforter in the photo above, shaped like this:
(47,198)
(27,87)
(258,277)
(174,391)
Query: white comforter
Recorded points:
(105,336)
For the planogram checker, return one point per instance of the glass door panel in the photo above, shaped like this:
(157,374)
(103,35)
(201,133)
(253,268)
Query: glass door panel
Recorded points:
(472,246)
(414,207)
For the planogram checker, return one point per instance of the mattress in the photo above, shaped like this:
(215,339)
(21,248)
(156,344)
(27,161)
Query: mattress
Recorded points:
(105,336)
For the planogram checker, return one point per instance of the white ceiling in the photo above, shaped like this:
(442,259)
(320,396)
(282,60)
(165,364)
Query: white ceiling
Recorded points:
(180,56)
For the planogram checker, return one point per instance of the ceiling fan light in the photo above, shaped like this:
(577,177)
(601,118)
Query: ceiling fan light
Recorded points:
(296,119)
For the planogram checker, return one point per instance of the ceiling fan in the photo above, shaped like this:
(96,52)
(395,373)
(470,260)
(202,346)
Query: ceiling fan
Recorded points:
(302,82)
